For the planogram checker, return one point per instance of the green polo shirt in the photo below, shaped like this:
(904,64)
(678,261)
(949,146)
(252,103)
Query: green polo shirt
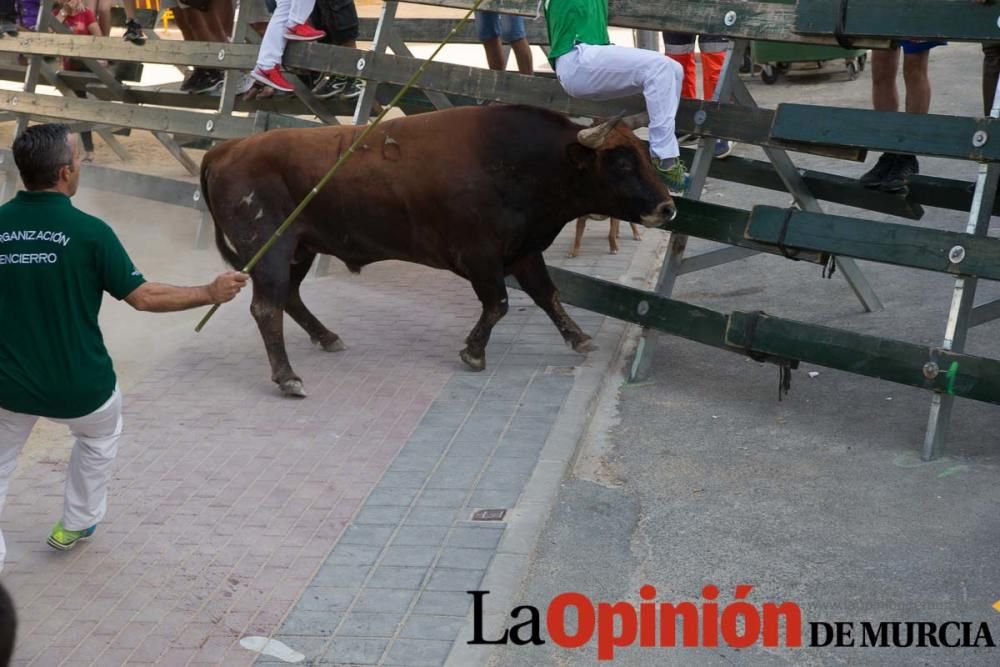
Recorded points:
(55,264)
(572,22)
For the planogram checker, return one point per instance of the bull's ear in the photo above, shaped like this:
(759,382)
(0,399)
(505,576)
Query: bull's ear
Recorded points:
(580,156)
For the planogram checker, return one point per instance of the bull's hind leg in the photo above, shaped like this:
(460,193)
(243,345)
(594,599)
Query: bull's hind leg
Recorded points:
(318,333)
(271,282)
(535,280)
(492,292)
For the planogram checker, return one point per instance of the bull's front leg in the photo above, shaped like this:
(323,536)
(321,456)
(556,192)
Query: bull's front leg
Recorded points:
(492,293)
(534,279)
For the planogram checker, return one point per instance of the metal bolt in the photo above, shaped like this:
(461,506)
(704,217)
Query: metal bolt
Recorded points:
(210,125)
(980,138)
(931,370)
(998,21)
(643,307)
(956,254)
(730,18)
(222,54)
(197,195)
(361,64)
(700,117)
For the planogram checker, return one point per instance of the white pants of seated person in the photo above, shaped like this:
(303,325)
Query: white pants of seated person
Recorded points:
(608,72)
(286,14)
(90,463)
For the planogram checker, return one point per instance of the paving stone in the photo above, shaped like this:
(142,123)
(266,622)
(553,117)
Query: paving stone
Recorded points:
(354,651)
(325,600)
(426,626)
(443,603)
(418,653)
(368,535)
(453,579)
(384,600)
(485,536)
(420,536)
(409,556)
(466,559)
(391,576)
(364,624)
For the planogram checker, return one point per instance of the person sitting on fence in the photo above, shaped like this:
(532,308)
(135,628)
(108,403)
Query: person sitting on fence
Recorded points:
(589,66)
(102,10)
(680,47)
(893,170)
(290,21)
(492,26)
(80,19)
(205,22)
(339,20)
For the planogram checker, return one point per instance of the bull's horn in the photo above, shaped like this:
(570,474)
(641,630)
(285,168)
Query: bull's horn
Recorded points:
(636,120)
(593,137)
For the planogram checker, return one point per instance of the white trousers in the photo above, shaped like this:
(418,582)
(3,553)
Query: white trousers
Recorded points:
(608,72)
(97,434)
(286,14)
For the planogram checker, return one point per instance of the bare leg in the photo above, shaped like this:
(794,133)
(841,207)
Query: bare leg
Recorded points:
(318,333)
(885,64)
(522,53)
(534,279)
(494,53)
(918,86)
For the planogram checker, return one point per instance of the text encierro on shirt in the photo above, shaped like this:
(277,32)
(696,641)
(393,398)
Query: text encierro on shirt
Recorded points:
(34,235)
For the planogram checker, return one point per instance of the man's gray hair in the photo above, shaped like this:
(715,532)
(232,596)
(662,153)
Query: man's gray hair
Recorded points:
(39,152)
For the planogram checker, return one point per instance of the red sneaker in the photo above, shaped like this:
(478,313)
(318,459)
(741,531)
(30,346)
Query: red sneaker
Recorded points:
(303,32)
(273,78)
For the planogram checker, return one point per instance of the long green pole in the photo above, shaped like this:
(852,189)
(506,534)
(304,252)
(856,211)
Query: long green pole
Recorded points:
(343,158)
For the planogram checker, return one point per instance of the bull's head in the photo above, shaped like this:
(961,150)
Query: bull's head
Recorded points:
(626,177)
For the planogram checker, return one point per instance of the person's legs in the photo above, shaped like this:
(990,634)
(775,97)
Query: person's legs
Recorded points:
(272,46)
(90,464)
(14,431)
(513,32)
(918,86)
(680,47)
(991,70)
(102,10)
(609,72)
(488,29)
(885,65)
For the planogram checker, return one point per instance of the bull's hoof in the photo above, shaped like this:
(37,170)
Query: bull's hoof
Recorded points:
(585,345)
(293,388)
(331,345)
(475,363)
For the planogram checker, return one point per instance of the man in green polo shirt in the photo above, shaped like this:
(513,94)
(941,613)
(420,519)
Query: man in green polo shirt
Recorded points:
(590,67)
(55,264)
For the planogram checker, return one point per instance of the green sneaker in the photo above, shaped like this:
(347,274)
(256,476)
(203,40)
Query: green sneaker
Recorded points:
(63,539)
(675,177)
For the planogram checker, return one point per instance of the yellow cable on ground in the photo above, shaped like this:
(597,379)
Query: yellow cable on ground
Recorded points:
(343,158)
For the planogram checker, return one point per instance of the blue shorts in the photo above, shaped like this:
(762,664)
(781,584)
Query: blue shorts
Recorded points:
(492,25)
(919,47)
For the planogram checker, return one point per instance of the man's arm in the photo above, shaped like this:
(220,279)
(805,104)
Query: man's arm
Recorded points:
(161,298)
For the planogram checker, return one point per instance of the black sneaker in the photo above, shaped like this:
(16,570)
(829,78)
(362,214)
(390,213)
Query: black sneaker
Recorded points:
(8,28)
(203,81)
(134,33)
(354,89)
(873,177)
(330,86)
(898,177)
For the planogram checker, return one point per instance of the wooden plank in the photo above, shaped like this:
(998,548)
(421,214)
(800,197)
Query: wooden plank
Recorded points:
(134,184)
(639,307)
(888,243)
(432,31)
(723,225)
(920,134)
(774,21)
(125,115)
(828,187)
(953,20)
(977,378)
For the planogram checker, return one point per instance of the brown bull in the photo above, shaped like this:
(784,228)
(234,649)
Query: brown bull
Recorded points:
(479,191)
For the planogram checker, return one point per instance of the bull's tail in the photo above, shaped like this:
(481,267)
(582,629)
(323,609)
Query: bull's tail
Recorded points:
(227,251)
